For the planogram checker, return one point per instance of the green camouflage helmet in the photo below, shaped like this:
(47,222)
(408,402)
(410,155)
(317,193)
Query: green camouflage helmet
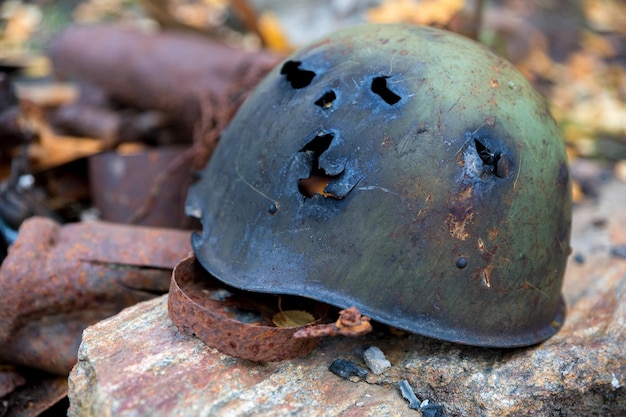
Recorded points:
(404,170)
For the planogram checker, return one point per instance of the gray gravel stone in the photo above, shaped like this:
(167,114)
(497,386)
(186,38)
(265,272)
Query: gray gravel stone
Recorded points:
(375,360)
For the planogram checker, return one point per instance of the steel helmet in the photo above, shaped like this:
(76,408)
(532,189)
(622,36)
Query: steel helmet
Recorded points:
(404,170)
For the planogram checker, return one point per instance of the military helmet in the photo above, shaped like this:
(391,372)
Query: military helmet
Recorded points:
(404,170)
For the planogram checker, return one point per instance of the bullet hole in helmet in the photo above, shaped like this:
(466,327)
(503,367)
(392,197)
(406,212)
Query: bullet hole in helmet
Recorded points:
(494,162)
(318,144)
(379,87)
(326,101)
(318,179)
(488,157)
(296,76)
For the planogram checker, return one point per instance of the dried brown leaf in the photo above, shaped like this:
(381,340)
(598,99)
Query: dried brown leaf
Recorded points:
(292,318)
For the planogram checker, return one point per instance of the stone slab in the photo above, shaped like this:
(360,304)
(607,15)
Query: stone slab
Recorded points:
(138,364)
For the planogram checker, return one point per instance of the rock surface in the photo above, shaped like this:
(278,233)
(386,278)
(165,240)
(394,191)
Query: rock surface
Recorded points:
(138,364)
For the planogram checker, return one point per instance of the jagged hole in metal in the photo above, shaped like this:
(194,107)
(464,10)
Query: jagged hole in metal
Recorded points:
(317,180)
(379,87)
(326,101)
(296,76)
(490,158)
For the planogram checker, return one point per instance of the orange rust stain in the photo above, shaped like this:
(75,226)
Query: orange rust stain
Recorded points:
(388,142)
(493,233)
(457,227)
(464,195)
(494,83)
(461,214)
(460,159)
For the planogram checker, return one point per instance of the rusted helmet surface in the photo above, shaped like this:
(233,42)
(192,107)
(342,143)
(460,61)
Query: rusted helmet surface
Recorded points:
(407,171)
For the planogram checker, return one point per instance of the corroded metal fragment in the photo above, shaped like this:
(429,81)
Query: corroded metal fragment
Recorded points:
(350,323)
(57,280)
(232,321)
(171,72)
(123,184)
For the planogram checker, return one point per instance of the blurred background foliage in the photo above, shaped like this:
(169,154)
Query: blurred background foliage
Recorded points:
(574,52)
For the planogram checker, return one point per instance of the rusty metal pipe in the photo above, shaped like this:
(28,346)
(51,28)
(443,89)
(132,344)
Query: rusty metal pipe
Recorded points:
(170,72)
(57,280)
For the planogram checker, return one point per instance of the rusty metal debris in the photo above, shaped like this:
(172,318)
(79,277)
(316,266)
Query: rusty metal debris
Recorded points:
(121,184)
(173,88)
(19,197)
(170,72)
(350,323)
(42,394)
(10,378)
(57,280)
(111,126)
(233,322)
(11,133)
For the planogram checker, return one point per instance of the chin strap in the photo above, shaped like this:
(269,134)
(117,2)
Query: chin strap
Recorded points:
(236,322)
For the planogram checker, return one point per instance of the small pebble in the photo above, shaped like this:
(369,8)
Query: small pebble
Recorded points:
(347,370)
(619,251)
(615,382)
(620,170)
(599,222)
(409,395)
(432,410)
(375,360)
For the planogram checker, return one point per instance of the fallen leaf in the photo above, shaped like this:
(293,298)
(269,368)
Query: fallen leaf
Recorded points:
(425,12)
(292,318)
(272,33)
